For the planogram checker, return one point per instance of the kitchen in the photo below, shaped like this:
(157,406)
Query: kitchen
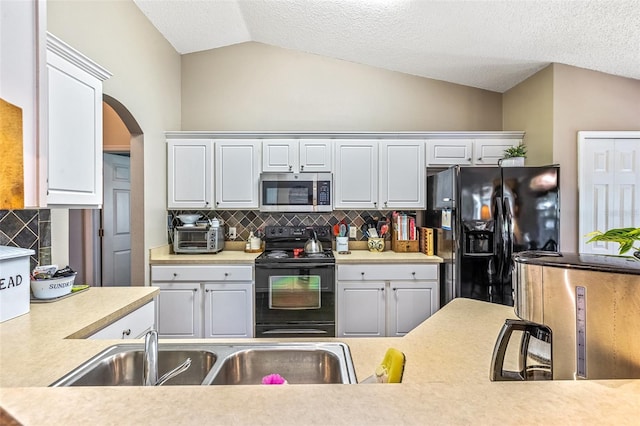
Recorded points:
(157,104)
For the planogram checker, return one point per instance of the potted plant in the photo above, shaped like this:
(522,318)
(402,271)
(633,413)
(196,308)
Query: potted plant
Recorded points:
(514,155)
(626,237)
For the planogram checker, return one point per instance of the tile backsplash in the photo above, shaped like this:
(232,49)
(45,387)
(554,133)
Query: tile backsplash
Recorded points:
(29,229)
(246,221)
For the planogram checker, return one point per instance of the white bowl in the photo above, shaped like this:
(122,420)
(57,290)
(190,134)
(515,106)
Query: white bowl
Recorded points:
(189,219)
(50,289)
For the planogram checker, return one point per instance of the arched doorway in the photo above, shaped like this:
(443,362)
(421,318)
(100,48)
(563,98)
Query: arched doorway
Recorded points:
(122,135)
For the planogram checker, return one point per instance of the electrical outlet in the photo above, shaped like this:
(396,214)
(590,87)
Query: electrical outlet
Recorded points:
(353,232)
(232,233)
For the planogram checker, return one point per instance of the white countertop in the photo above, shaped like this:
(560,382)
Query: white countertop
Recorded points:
(445,380)
(162,255)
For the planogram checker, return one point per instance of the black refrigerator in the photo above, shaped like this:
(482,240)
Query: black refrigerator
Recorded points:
(485,214)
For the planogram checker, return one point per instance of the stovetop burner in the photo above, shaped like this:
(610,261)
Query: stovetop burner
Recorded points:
(277,254)
(286,244)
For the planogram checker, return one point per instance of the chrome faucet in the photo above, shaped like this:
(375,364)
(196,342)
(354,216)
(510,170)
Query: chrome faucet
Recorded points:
(150,361)
(150,367)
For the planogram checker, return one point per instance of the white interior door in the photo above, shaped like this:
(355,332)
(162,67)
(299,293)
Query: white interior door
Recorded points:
(116,221)
(608,184)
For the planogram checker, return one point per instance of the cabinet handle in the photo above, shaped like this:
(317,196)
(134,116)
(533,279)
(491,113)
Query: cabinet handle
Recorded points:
(207,290)
(195,290)
(175,275)
(126,332)
(375,204)
(385,204)
(362,273)
(301,167)
(226,274)
(414,274)
(479,158)
(290,167)
(206,203)
(395,289)
(381,288)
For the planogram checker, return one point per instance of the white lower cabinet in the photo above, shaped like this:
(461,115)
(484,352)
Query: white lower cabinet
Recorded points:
(204,301)
(132,326)
(228,310)
(179,310)
(385,300)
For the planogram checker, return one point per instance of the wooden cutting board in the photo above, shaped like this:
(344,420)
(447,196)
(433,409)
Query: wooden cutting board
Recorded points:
(11,153)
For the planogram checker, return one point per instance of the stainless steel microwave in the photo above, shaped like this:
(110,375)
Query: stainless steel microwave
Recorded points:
(296,192)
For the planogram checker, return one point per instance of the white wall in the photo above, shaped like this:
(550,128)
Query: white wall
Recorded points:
(146,80)
(254,86)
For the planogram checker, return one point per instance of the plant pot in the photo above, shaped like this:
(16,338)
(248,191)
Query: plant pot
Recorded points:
(512,162)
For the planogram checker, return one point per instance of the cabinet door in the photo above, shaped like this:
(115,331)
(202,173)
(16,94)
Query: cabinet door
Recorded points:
(409,304)
(449,152)
(132,326)
(179,310)
(190,174)
(356,174)
(228,310)
(402,175)
(361,309)
(280,155)
(237,174)
(489,151)
(315,155)
(74,127)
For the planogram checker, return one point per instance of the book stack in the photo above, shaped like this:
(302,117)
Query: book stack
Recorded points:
(404,237)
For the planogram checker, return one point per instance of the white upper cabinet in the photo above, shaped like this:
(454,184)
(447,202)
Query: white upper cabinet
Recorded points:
(356,174)
(315,155)
(448,152)
(294,155)
(467,151)
(379,174)
(402,174)
(237,173)
(280,155)
(74,126)
(490,151)
(190,174)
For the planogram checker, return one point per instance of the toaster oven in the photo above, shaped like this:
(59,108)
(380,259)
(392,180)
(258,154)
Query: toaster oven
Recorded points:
(198,239)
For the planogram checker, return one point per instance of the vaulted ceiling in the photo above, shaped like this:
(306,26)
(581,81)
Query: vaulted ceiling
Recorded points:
(492,45)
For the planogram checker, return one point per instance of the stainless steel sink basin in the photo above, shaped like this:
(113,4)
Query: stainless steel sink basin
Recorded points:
(297,365)
(122,365)
(219,364)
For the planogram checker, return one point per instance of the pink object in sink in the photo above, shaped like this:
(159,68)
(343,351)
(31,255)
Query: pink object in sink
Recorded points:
(274,379)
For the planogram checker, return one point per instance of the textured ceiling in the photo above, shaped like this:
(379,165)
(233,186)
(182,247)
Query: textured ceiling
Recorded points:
(491,45)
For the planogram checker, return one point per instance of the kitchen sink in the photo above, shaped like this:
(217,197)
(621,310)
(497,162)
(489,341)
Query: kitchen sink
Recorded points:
(315,364)
(219,364)
(122,365)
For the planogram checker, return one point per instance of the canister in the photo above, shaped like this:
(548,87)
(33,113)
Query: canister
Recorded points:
(14,282)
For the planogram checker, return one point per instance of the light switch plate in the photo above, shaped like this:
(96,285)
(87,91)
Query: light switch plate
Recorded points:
(232,233)
(353,232)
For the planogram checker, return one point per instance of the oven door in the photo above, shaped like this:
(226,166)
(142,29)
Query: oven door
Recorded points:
(295,300)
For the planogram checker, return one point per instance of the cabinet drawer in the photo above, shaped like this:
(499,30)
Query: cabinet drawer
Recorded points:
(387,272)
(131,326)
(201,273)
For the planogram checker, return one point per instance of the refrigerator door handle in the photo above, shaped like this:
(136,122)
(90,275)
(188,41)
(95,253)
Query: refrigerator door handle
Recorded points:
(508,246)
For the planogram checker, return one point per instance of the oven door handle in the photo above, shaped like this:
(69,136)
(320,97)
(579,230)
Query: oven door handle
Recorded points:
(294,331)
(294,265)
